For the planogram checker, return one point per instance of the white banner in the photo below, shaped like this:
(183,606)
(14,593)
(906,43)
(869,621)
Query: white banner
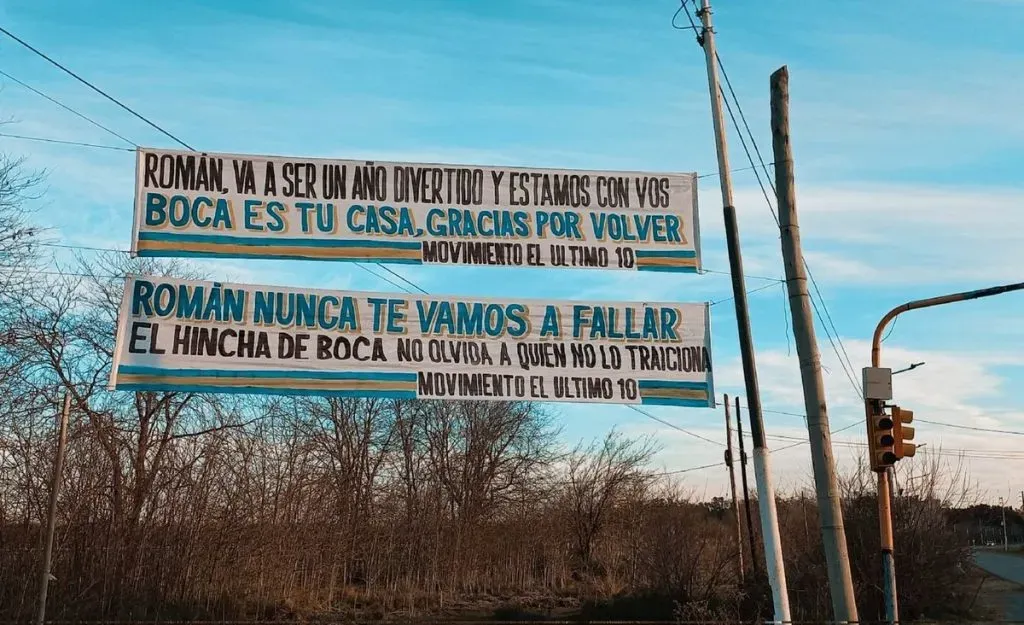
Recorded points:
(221,205)
(192,336)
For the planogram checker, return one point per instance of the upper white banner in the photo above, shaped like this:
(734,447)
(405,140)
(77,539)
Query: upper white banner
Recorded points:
(221,205)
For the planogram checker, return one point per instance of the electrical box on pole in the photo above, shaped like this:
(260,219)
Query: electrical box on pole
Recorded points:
(877,383)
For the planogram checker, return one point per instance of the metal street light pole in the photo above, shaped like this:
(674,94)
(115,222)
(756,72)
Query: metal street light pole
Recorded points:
(884,510)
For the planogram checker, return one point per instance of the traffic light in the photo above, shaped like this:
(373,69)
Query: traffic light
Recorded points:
(881,439)
(902,433)
(889,436)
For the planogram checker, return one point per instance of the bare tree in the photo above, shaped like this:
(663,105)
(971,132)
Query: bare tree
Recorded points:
(19,238)
(598,474)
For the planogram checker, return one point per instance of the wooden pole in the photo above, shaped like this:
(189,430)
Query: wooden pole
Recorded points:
(746,489)
(732,489)
(51,517)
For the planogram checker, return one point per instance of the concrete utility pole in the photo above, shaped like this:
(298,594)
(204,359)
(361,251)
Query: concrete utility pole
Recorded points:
(769,520)
(844,606)
(51,517)
(884,509)
(769,526)
(732,489)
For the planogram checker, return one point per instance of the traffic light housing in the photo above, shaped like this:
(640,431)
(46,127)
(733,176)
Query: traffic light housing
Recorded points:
(889,435)
(881,438)
(903,433)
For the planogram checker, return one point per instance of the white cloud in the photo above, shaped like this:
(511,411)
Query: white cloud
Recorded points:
(887,235)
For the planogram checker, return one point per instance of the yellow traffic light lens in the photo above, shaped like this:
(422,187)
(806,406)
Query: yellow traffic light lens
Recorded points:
(887,440)
(885,423)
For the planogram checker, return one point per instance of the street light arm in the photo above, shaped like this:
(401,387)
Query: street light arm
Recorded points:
(876,342)
(913,365)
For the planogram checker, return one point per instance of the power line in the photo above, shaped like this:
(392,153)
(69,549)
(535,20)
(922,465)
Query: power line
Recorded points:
(731,171)
(103,249)
(69,246)
(249,454)
(828,315)
(674,426)
(63,142)
(804,417)
(754,290)
(94,87)
(891,328)
(62,274)
(364,266)
(1005,454)
(403,278)
(746,275)
(1008,454)
(828,335)
(728,83)
(564,482)
(746,150)
(784,448)
(692,26)
(687,470)
(971,427)
(69,109)
(398,286)
(847,427)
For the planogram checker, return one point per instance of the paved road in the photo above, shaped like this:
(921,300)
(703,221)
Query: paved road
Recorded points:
(1008,567)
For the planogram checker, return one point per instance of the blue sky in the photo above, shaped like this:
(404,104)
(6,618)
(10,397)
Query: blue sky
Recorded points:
(907,135)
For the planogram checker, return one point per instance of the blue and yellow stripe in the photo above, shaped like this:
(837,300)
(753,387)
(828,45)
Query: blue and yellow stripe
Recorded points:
(161,244)
(275,382)
(674,393)
(676,261)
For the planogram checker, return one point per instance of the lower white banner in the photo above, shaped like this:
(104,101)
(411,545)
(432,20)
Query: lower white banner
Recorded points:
(213,337)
